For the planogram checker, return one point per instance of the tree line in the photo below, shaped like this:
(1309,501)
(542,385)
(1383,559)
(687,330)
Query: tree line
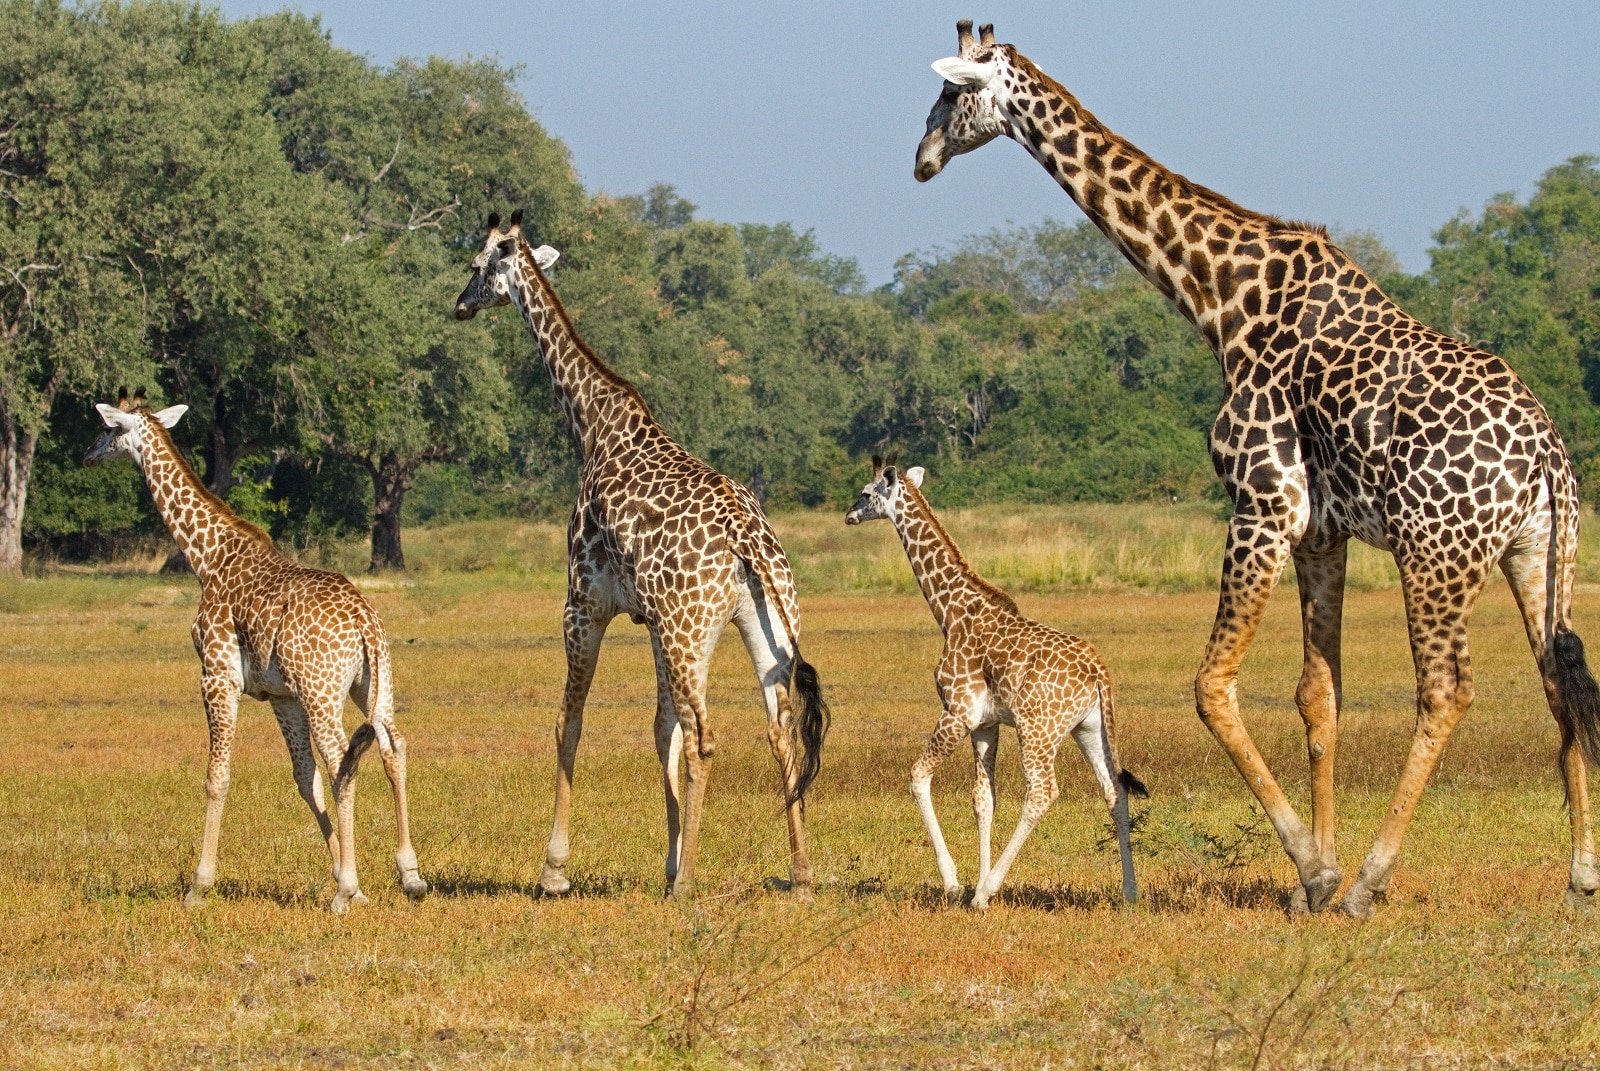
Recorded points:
(249,219)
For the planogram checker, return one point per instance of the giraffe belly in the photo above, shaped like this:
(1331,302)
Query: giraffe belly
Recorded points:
(263,681)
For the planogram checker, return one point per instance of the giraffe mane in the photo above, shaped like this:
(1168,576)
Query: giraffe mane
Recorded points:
(992,593)
(241,525)
(1186,187)
(615,378)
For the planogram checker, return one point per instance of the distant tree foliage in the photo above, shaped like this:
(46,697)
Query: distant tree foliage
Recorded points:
(249,219)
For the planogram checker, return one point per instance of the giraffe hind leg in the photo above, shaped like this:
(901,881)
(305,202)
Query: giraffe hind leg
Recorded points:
(1436,616)
(297,736)
(1526,570)
(1321,579)
(773,656)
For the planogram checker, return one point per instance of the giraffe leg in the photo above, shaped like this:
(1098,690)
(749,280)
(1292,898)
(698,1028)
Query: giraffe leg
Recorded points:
(1256,554)
(669,750)
(772,655)
(985,749)
(1039,773)
(1436,616)
(392,750)
(297,735)
(582,631)
(324,717)
(1093,738)
(220,692)
(1321,578)
(947,734)
(1526,570)
(687,659)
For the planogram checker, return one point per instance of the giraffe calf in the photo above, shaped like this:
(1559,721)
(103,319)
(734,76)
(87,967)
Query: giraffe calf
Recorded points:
(999,668)
(273,629)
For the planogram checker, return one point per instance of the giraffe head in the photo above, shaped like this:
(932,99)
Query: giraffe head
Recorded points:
(882,498)
(130,426)
(497,268)
(966,116)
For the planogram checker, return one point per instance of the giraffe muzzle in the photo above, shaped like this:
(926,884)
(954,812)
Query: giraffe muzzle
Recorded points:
(464,312)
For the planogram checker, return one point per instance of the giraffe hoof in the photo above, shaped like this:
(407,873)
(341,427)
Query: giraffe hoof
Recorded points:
(414,887)
(343,901)
(1314,897)
(954,895)
(196,899)
(554,883)
(1358,902)
(1579,900)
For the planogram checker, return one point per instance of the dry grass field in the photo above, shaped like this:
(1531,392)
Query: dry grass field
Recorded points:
(1473,962)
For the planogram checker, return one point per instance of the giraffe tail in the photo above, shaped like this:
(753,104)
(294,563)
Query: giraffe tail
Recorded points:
(811,723)
(360,740)
(809,709)
(1578,696)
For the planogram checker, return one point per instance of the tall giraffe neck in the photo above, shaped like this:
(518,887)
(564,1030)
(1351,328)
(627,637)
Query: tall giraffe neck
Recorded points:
(205,529)
(595,400)
(946,580)
(1171,229)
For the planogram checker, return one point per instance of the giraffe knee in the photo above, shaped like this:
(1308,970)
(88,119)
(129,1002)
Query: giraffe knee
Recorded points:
(1213,696)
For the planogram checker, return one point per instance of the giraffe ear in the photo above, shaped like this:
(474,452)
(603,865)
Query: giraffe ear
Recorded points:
(170,416)
(545,256)
(964,72)
(915,475)
(114,417)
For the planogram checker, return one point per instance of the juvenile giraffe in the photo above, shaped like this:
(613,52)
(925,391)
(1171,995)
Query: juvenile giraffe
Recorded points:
(273,629)
(677,546)
(1344,417)
(999,668)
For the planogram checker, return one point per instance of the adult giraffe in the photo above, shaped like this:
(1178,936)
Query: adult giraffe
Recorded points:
(1344,417)
(661,536)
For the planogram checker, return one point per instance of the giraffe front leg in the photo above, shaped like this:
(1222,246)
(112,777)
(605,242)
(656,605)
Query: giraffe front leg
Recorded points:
(985,748)
(1256,553)
(220,692)
(582,631)
(946,735)
(1321,579)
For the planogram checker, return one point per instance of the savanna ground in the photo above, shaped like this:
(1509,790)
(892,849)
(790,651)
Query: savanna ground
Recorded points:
(1473,961)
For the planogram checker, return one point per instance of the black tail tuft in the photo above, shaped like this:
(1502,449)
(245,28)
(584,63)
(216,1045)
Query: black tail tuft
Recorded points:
(1132,785)
(811,725)
(360,740)
(1580,696)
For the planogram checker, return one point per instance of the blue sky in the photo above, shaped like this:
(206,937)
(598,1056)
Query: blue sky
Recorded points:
(1388,116)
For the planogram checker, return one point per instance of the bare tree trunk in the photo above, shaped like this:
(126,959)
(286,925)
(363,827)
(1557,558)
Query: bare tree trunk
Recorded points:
(390,481)
(16,467)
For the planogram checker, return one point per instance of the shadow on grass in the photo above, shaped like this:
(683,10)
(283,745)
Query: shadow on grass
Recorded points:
(584,887)
(1166,896)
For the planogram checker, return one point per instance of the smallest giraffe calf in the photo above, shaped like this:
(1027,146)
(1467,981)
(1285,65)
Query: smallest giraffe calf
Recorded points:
(271,628)
(999,667)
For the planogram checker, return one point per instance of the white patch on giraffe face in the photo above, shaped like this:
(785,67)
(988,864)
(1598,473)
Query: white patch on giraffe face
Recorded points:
(966,114)
(490,285)
(880,499)
(122,437)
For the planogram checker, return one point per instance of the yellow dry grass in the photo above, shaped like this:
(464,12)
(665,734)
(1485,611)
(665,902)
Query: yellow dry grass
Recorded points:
(1473,962)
